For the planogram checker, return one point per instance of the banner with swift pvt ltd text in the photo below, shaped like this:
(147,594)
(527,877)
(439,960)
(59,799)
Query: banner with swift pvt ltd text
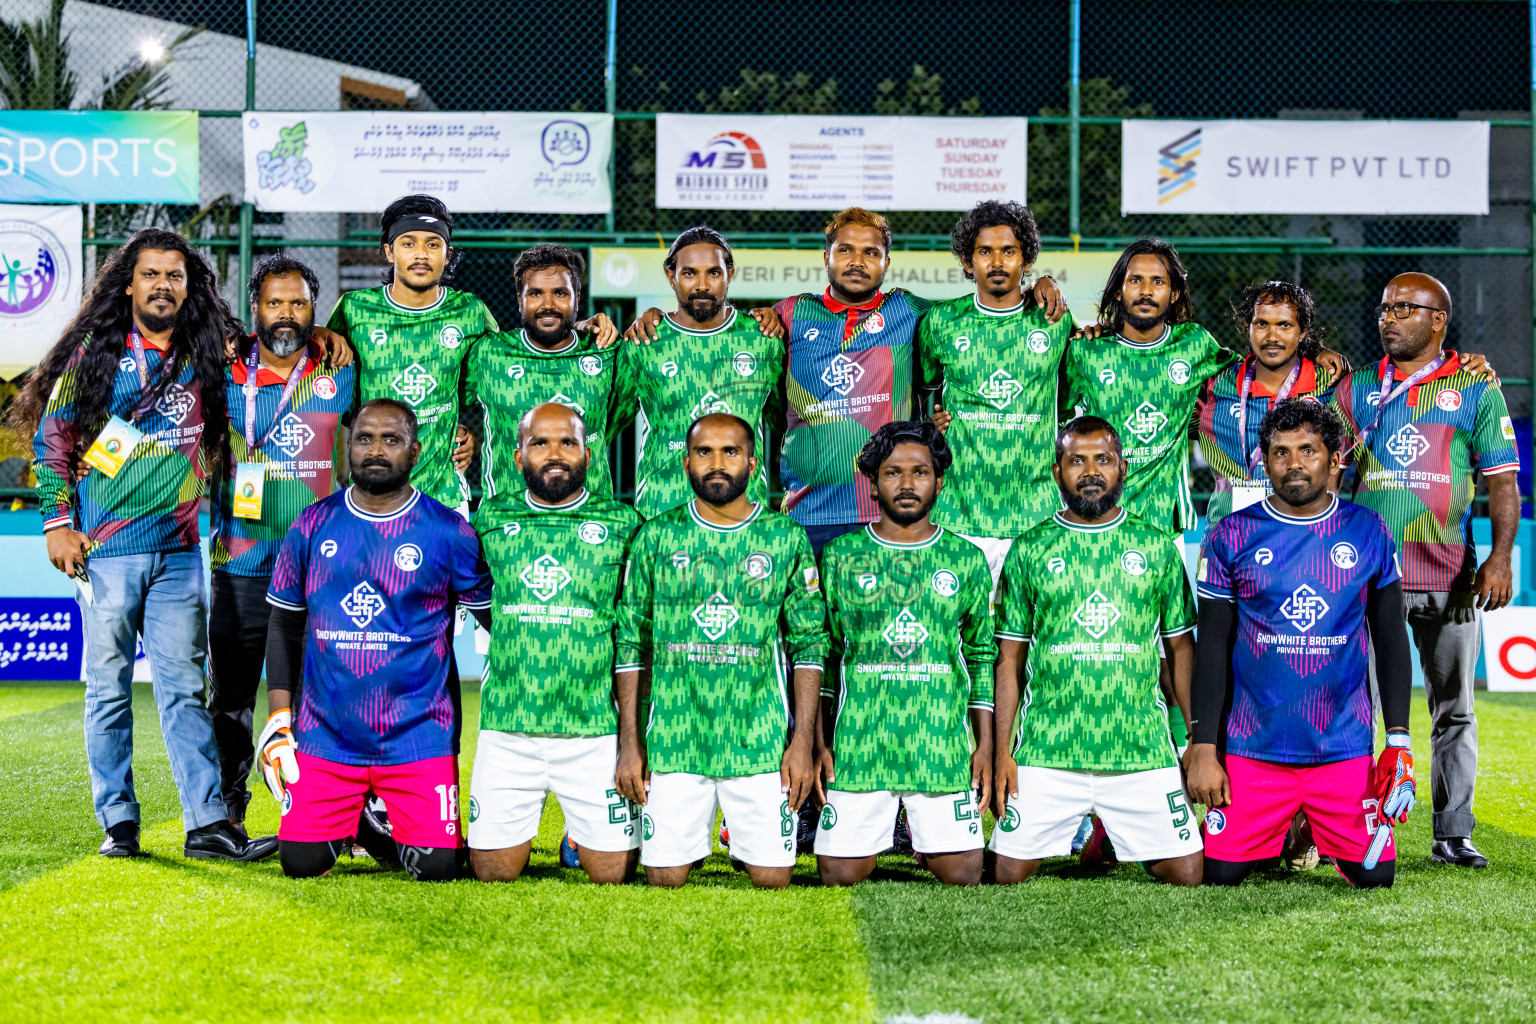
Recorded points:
(802,162)
(1431,167)
(340,161)
(98,156)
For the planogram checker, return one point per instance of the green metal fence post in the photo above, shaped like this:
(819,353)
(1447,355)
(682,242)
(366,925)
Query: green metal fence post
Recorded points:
(247,212)
(610,99)
(1074,127)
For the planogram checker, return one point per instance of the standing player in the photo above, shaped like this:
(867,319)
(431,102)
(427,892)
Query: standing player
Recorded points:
(1086,598)
(723,604)
(363,591)
(707,358)
(992,358)
(1421,422)
(546,360)
(1293,589)
(284,410)
(908,606)
(547,722)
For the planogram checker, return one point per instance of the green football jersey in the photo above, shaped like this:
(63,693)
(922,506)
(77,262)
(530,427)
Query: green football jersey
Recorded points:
(415,356)
(508,375)
(556,571)
(996,373)
(1092,603)
(721,614)
(1148,393)
(911,628)
(686,374)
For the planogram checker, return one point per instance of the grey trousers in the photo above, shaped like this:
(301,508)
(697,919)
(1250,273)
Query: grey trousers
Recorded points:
(1448,633)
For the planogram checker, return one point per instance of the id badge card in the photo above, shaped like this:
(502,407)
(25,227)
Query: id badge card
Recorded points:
(250,480)
(1247,494)
(113,446)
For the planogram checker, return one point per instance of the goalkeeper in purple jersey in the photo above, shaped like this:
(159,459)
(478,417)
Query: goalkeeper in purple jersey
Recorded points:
(1295,592)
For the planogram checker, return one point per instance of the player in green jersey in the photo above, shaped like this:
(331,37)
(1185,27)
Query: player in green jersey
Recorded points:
(547,722)
(1087,599)
(910,622)
(545,360)
(990,359)
(707,357)
(722,604)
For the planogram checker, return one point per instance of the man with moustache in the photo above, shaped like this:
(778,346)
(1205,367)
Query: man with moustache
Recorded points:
(1295,591)
(910,622)
(547,721)
(722,605)
(284,411)
(1421,422)
(1087,599)
(362,594)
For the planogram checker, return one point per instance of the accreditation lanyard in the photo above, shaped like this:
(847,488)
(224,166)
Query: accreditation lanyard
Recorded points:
(1388,393)
(251,388)
(1248,372)
(136,342)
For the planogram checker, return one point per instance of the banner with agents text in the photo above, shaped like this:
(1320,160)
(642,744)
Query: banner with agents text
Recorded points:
(1428,167)
(802,162)
(332,161)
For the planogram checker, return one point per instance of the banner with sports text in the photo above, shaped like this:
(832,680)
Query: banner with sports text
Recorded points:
(801,162)
(1254,166)
(341,161)
(99,156)
(40,281)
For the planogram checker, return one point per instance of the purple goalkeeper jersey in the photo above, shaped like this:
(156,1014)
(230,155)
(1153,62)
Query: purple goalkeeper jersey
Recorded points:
(380,592)
(1300,694)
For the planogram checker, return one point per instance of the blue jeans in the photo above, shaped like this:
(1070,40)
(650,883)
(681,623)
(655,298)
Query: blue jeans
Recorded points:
(159,596)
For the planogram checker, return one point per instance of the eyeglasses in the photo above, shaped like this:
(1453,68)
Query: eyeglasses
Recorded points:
(1402,310)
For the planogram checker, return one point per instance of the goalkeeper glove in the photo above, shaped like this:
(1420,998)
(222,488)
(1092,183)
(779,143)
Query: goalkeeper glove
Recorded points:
(1392,784)
(279,762)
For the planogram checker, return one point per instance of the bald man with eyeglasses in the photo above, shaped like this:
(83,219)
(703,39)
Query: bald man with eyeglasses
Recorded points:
(1422,423)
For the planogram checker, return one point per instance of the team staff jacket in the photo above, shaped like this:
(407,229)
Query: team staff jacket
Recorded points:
(850,373)
(556,570)
(911,629)
(297,447)
(1415,467)
(151,504)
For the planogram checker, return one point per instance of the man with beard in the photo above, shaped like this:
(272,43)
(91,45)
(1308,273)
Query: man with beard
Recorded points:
(910,623)
(362,594)
(721,604)
(1087,599)
(547,722)
(135,387)
(1421,423)
(284,411)
(546,360)
(707,358)
(1294,591)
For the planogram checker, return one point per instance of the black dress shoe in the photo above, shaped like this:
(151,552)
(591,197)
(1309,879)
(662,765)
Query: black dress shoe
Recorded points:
(1457,851)
(221,840)
(121,841)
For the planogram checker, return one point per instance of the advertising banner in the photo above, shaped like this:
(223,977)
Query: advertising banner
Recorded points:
(41,638)
(331,161)
(98,156)
(40,274)
(1432,167)
(1509,648)
(764,162)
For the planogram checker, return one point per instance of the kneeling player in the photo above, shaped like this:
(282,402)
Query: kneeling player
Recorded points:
(1292,589)
(1085,598)
(908,604)
(722,599)
(547,723)
(363,591)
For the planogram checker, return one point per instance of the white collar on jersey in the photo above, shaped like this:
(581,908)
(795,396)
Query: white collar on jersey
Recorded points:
(1144,345)
(442,296)
(693,510)
(410,503)
(699,332)
(932,538)
(1091,527)
(989,311)
(1333,506)
(539,506)
(522,333)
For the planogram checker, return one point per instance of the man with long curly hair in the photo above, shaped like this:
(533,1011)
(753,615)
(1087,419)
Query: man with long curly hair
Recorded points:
(136,385)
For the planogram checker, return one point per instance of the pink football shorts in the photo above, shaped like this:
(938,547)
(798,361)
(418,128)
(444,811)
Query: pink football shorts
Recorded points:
(422,798)
(1266,796)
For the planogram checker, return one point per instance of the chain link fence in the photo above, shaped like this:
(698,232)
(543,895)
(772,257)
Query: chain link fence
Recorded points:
(1181,59)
